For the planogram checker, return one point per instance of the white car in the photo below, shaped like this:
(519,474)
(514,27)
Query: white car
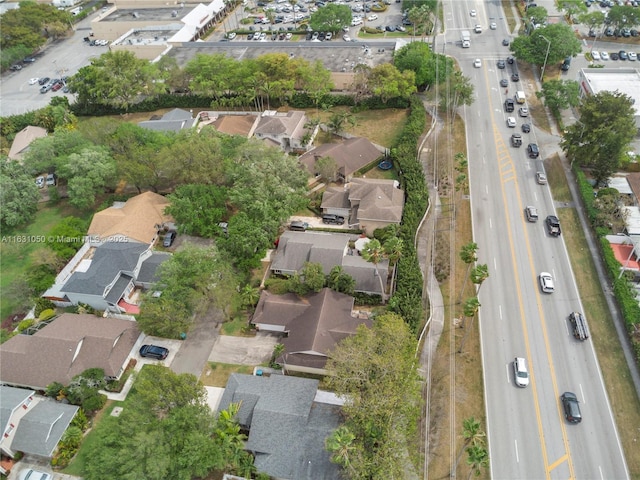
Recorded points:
(40,182)
(288,36)
(511,122)
(372,17)
(520,372)
(546,282)
(477,63)
(231,35)
(34,475)
(595,55)
(346,38)
(472,13)
(355,22)
(604,56)
(33,81)
(493,26)
(328,36)
(263,36)
(633,56)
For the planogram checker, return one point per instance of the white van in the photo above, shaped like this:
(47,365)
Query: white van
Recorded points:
(520,98)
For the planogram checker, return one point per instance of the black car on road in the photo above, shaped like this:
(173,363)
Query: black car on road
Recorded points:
(571,407)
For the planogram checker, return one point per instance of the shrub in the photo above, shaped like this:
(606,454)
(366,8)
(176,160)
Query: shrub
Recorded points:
(43,304)
(47,314)
(24,324)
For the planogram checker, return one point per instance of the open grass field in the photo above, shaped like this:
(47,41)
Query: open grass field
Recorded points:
(16,257)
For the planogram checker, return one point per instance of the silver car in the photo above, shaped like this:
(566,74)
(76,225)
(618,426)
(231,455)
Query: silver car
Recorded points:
(520,372)
(546,282)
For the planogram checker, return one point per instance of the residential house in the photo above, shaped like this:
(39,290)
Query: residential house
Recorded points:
(242,125)
(140,218)
(329,250)
(23,140)
(313,325)
(65,347)
(286,130)
(31,424)
(287,426)
(172,121)
(367,203)
(107,276)
(350,156)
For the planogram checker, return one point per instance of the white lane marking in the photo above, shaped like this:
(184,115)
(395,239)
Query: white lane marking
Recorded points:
(486,189)
(495,264)
(601,474)
(584,399)
(506,367)
(517,456)
(500,311)
(490,223)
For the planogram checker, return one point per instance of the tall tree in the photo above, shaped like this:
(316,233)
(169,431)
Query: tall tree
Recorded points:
(459,92)
(593,20)
(117,78)
(420,16)
(376,371)
(18,194)
(340,445)
(388,82)
(572,7)
(560,94)
(87,174)
(478,459)
(472,434)
(330,18)
(469,255)
(198,209)
(603,134)
(562,43)
(374,252)
(470,310)
(479,274)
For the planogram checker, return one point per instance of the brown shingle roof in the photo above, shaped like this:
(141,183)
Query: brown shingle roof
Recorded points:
(136,219)
(66,347)
(23,139)
(350,155)
(287,124)
(235,124)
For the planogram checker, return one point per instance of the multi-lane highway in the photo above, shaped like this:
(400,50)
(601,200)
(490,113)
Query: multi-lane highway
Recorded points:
(528,435)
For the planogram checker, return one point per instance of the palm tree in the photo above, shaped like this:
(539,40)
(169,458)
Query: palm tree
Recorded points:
(340,444)
(471,307)
(469,255)
(393,250)
(249,296)
(479,274)
(277,351)
(338,120)
(477,460)
(472,435)
(374,253)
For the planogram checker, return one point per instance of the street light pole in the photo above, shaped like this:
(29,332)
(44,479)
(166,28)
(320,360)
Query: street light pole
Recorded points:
(545,57)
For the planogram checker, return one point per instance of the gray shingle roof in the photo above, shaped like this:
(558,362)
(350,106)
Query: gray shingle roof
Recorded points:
(378,200)
(66,347)
(328,249)
(40,430)
(350,155)
(173,121)
(10,399)
(287,429)
(149,268)
(117,290)
(109,260)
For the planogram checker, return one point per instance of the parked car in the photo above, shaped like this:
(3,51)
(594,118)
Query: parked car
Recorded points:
(633,56)
(45,88)
(595,55)
(623,55)
(571,407)
(29,60)
(52,180)
(332,219)
(33,81)
(31,474)
(15,67)
(154,351)
(169,238)
(298,226)
(604,55)
(43,80)
(57,86)
(372,17)
(520,372)
(546,282)
(40,182)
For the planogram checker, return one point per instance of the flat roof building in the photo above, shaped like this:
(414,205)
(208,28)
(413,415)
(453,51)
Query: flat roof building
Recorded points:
(623,80)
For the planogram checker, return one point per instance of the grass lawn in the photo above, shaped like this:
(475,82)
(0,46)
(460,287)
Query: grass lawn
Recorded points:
(217,374)
(17,258)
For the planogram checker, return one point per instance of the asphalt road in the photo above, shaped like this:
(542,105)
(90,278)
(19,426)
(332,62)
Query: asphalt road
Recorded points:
(527,433)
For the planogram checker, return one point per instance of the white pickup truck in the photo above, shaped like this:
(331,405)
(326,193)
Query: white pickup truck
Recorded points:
(466,39)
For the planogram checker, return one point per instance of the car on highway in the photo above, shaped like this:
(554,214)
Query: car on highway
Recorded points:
(511,122)
(346,38)
(515,77)
(477,63)
(541,178)
(579,326)
(520,372)
(509,105)
(516,140)
(493,26)
(154,351)
(604,56)
(546,282)
(571,407)
(501,64)
(472,13)
(526,128)
(505,42)
(504,82)
(533,151)
(31,474)
(553,225)
(595,55)
(531,213)
(477,29)
(523,111)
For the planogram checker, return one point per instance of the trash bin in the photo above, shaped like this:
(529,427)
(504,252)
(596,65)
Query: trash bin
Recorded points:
(183,336)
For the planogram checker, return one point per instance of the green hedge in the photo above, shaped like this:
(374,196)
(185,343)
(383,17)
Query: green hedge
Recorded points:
(407,299)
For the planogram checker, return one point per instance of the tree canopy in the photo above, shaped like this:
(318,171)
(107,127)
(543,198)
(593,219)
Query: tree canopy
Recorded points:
(429,68)
(560,94)
(331,18)
(533,48)
(375,370)
(602,136)
(18,194)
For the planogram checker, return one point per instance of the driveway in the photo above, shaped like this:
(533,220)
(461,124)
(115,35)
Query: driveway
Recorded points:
(244,350)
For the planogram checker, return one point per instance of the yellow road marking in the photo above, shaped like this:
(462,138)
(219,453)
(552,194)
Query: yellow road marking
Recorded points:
(560,461)
(505,160)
